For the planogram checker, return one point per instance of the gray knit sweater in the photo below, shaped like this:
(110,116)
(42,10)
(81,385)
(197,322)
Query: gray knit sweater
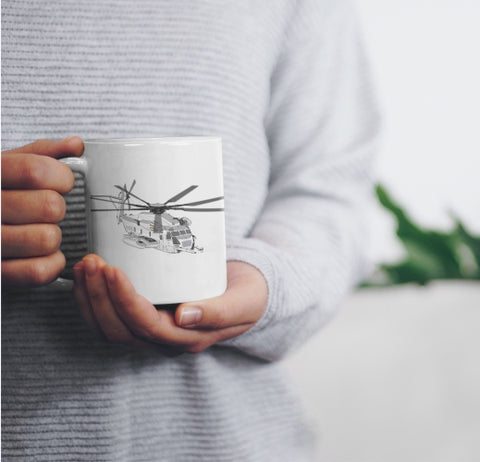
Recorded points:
(284,83)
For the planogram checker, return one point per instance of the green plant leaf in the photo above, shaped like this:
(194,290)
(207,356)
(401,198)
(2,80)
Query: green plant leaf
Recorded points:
(430,254)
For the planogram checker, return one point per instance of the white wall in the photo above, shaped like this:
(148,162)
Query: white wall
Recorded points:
(395,376)
(426,61)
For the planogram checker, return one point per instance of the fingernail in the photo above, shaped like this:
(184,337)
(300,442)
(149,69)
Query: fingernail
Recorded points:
(109,274)
(68,138)
(190,316)
(90,266)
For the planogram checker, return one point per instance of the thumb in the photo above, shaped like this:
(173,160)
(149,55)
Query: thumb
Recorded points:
(243,302)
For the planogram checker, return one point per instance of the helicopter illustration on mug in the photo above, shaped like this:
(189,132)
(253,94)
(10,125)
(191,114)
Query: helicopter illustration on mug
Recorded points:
(149,225)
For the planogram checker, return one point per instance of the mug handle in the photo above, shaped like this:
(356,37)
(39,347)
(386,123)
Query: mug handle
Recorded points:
(77,165)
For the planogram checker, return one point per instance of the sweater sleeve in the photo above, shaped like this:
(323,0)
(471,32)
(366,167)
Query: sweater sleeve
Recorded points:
(321,127)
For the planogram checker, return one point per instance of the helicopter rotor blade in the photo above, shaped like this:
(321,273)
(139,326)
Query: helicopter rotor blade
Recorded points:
(104,210)
(134,182)
(115,201)
(141,208)
(112,200)
(181,194)
(131,194)
(130,191)
(106,198)
(205,201)
(126,197)
(192,209)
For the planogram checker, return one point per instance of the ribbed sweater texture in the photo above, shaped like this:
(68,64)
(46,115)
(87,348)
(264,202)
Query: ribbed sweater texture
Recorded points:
(286,86)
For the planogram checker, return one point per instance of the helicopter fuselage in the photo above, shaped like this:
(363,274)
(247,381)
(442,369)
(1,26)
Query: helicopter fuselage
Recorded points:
(160,231)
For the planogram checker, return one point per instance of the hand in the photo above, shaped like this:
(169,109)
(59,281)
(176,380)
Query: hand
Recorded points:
(110,305)
(32,184)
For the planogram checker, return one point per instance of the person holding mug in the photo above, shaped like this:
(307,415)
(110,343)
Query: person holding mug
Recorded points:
(109,374)
(33,182)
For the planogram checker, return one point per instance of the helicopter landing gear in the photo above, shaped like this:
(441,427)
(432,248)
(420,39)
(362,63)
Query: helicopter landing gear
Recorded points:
(196,248)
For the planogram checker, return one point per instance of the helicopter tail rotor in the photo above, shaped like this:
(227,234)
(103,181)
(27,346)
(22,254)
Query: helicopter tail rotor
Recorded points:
(129,193)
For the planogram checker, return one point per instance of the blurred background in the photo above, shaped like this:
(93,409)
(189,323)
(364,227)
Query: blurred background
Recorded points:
(395,377)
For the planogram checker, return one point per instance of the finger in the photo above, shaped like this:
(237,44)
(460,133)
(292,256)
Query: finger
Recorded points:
(243,303)
(142,318)
(25,241)
(25,207)
(81,297)
(103,310)
(32,271)
(72,146)
(30,171)
(230,309)
(86,311)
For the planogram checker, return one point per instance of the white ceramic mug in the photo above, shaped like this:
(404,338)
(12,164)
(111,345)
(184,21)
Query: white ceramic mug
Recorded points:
(155,210)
